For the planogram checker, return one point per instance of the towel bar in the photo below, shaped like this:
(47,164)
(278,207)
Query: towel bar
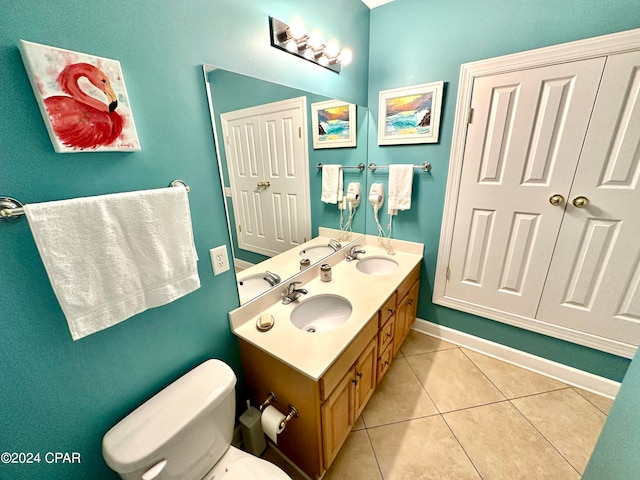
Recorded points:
(12,210)
(360,166)
(425,167)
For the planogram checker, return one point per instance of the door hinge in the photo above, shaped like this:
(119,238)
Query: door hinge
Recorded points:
(240,228)
(469,116)
(299,132)
(228,141)
(448,273)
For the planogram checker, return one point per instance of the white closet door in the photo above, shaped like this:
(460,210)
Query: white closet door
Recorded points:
(267,160)
(594,279)
(521,148)
(243,148)
(288,191)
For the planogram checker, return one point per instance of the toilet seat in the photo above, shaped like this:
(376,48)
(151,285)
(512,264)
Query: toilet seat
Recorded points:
(254,468)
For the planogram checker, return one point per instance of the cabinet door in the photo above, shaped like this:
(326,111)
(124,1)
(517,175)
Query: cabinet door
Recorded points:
(521,148)
(338,417)
(406,314)
(593,284)
(366,369)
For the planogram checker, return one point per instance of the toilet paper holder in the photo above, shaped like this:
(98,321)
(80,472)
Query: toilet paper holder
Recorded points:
(271,398)
(293,413)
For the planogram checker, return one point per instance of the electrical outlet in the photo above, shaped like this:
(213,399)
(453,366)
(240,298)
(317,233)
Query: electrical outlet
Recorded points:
(219,259)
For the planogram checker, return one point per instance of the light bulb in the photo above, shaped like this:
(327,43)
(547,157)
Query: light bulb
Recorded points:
(323,60)
(291,45)
(345,57)
(315,40)
(296,29)
(332,49)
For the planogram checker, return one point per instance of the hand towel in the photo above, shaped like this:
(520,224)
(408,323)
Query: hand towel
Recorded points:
(332,184)
(112,256)
(400,185)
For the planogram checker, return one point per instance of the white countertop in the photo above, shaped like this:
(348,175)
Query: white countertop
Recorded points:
(313,353)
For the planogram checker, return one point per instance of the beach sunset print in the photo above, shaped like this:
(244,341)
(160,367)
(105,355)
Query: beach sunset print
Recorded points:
(408,115)
(333,123)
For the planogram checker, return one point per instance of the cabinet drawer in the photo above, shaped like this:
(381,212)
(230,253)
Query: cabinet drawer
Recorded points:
(384,362)
(387,309)
(385,334)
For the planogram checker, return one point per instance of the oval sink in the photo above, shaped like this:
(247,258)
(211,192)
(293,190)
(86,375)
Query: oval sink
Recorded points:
(376,265)
(254,285)
(316,252)
(321,313)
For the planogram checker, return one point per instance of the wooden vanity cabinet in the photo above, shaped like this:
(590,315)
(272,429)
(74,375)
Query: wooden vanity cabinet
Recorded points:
(407,307)
(330,406)
(347,400)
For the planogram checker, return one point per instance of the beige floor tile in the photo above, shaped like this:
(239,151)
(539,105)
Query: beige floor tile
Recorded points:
(399,396)
(602,403)
(418,342)
(452,380)
(503,445)
(420,449)
(355,461)
(569,421)
(512,381)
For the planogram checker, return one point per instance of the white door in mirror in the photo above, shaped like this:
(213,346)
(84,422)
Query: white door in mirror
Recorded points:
(219,259)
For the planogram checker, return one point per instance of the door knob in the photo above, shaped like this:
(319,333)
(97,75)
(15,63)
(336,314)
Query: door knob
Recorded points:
(556,199)
(261,184)
(267,184)
(580,202)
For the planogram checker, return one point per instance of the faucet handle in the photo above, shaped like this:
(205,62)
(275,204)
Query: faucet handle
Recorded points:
(292,286)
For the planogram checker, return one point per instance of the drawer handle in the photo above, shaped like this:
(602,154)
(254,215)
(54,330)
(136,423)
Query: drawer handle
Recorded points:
(388,335)
(386,364)
(410,302)
(390,310)
(359,375)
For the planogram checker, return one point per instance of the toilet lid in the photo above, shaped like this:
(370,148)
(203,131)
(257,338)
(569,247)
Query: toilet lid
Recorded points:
(250,468)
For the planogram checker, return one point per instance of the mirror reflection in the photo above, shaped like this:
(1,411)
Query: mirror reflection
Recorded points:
(278,148)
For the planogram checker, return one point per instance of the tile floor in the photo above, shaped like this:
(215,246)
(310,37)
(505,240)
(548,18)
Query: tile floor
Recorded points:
(445,412)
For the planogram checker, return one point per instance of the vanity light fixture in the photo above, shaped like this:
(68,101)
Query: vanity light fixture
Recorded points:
(293,39)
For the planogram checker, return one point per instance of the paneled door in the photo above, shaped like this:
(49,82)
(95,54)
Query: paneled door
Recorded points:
(521,152)
(267,160)
(593,284)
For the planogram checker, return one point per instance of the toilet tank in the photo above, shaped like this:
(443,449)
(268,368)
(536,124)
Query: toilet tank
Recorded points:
(189,424)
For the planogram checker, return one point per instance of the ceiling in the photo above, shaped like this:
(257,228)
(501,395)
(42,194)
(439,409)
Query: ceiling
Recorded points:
(375,3)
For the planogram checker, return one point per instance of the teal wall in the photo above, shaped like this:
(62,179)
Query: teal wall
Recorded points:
(62,396)
(616,453)
(420,41)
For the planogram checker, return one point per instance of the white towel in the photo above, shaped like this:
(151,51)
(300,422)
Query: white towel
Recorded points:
(332,184)
(400,184)
(110,257)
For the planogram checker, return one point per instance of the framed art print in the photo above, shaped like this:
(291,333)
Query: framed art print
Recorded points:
(334,124)
(410,114)
(82,99)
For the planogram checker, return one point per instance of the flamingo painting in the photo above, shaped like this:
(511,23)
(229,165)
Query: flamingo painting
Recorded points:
(79,120)
(82,99)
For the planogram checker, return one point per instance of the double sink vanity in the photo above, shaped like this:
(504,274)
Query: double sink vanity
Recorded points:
(328,348)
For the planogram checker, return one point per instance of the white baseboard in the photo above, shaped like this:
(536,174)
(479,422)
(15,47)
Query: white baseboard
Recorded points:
(570,375)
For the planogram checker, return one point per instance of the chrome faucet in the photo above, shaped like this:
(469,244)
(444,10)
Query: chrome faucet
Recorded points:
(292,293)
(335,245)
(353,252)
(271,278)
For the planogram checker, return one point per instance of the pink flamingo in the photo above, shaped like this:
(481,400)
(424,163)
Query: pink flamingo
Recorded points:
(79,120)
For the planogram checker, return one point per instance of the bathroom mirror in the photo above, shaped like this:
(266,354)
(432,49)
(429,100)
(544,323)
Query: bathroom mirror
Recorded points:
(264,136)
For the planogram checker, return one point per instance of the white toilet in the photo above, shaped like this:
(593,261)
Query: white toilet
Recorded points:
(184,433)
